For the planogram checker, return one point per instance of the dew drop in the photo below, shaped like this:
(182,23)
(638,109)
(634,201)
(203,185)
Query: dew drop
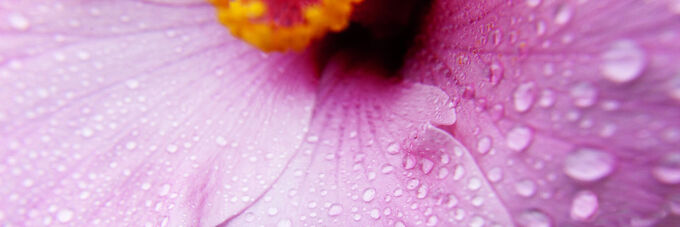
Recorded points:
(221,141)
(484,145)
(495,174)
(284,223)
(587,164)
(132,84)
(674,87)
(171,148)
(64,215)
(583,94)
(18,21)
(533,3)
(393,148)
(432,221)
(409,162)
(474,184)
(368,195)
(584,206)
(427,166)
(623,61)
(534,218)
(563,15)
(523,97)
(477,221)
(422,192)
(519,138)
(525,187)
(335,210)
(668,169)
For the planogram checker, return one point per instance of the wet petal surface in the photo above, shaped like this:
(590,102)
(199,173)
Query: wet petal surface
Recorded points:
(112,116)
(373,157)
(569,107)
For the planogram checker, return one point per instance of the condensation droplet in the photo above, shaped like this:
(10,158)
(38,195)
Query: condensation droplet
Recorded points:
(477,221)
(525,187)
(583,94)
(495,174)
(563,14)
(474,184)
(584,206)
(668,169)
(587,164)
(534,218)
(368,195)
(335,210)
(519,138)
(393,148)
(523,97)
(484,145)
(409,162)
(623,61)
(427,166)
(18,21)
(284,223)
(64,215)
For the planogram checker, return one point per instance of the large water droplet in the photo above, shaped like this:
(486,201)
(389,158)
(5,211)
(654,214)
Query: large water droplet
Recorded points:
(335,210)
(495,174)
(623,61)
(484,145)
(474,183)
(587,164)
(519,138)
(525,187)
(64,215)
(668,169)
(534,218)
(18,21)
(583,94)
(368,195)
(563,14)
(584,205)
(523,96)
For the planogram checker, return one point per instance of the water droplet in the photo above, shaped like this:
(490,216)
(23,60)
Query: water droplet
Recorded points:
(534,218)
(427,166)
(393,148)
(64,215)
(422,192)
(674,87)
(284,223)
(86,132)
(583,94)
(495,174)
(474,184)
(272,211)
(547,98)
(533,3)
(432,221)
(171,148)
(368,195)
(623,61)
(484,145)
(18,21)
(519,138)
(387,168)
(563,14)
(409,162)
(165,189)
(221,141)
(477,221)
(584,205)
(525,188)
(668,169)
(587,164)
(523,96)
(132,84)
(458,172)
(335,210)
(146,186)
(443,173)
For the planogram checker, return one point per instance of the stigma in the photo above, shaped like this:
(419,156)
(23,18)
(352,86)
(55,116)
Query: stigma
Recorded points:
(272,25)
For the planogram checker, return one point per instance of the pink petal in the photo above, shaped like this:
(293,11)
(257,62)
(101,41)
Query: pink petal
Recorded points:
(139,113)
(570,108)
(373,158)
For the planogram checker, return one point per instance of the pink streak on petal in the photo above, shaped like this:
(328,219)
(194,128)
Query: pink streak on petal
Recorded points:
(603,78)
(115,116)
(348,174)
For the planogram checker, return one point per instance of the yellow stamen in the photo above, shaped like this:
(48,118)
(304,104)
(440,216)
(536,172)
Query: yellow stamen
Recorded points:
(245,19)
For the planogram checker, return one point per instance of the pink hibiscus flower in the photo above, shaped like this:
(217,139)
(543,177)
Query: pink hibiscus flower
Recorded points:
(503,113)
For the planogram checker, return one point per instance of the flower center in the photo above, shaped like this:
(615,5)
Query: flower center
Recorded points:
(283,25)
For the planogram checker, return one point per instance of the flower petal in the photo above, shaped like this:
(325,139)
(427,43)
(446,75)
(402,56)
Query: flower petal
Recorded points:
(372,157)
(571,107)
(113,115)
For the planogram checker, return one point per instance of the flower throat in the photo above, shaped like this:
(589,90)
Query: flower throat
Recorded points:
(381,30)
